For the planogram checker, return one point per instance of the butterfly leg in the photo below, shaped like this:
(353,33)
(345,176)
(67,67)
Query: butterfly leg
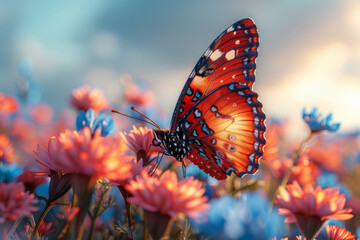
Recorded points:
(183,168)
(156,165)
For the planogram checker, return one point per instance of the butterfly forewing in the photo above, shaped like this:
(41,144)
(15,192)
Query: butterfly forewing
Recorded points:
(231,57)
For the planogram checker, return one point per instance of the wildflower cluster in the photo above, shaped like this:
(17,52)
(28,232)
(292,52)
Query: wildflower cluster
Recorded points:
(105,177)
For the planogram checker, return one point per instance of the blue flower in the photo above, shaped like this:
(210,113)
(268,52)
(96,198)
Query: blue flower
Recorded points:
(102,122)
(28,89)
(317,123)
(193,170)
(9,173)
(245,217)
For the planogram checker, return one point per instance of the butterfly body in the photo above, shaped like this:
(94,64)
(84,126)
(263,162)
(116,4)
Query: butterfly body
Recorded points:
(173,144)
(218,122)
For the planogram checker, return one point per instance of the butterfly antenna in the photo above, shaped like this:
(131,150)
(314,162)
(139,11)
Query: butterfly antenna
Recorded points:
(154,123)
(151,122)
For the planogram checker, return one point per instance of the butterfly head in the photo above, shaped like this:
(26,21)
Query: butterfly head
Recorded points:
(159,135)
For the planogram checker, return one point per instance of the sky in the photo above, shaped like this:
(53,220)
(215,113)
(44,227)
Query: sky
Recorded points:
(309,54)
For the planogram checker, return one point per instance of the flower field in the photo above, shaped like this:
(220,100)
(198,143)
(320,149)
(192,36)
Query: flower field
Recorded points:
(184,120)
(91,174)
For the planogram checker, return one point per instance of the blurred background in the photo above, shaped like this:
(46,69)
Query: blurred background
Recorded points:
(309,53)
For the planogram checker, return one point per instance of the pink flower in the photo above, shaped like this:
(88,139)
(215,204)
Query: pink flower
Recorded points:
(168,196)
(46,159)
(299,237)
(44,228)
(22,129)
(310,208)
(136,169)
(139,140)
(84,98)
(92,156)
(41,113)
(136,96)
(7,151)
(30,180)
(14,202)
(336,233)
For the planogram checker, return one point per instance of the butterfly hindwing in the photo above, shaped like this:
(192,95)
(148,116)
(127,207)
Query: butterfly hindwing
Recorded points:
(225,131)
(231,57)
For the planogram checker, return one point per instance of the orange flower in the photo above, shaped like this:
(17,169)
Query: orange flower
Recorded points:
(84,98)
(336,233)
(328,157)
(8,104)
(305,172)
(7,151)
(310,208)
(279,167)
(168,196)
(139,140)
(92,156)
(14,202)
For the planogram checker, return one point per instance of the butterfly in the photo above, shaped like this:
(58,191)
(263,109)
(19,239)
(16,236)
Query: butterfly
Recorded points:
(218,122)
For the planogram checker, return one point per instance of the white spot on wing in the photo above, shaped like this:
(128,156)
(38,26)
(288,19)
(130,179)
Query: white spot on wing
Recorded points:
(215,55)
(230,29)
(230,55)
(245,73)
(256,133)
(256,121)
(256,146)
(237,42)
(252,157)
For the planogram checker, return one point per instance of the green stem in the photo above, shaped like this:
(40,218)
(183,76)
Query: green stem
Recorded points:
(128,211)
(72,205)
(145,229)
(295,157)
(124,193)
(5,228)
(96,214)
(41,218)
